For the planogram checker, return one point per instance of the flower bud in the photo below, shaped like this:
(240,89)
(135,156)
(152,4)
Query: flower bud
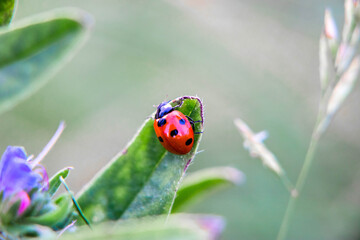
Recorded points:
(24,197)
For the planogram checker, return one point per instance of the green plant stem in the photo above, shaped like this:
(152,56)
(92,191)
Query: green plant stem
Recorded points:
(299,184)
(308,161)
(286,219)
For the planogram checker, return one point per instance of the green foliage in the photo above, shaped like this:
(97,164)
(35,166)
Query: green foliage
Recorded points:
(55,181)
(38,231)
(41,217)
(198,184)
(190,227)
(31,51)
(76,205)
(142,180)
(63,205)
(180,49)
(7,10)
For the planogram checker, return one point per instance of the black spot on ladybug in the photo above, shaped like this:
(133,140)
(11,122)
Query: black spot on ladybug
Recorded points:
(188,142)
(160,139)
(174,132)
(161,122)
(182,121)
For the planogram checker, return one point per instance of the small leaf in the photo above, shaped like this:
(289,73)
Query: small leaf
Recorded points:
(355,38)
(55,182)
(7,10)
(32,50)
(257,149)
(340,92)
(179,226)
(349,21)
(325,63)
(143,179)
(51,218)
(198,183)
(76,205)
(344,86)
(344,57)
(331,32)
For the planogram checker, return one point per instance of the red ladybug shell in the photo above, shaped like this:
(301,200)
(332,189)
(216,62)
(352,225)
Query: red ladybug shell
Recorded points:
(175,132)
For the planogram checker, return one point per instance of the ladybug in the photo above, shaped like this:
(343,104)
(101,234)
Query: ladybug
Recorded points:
(174,130)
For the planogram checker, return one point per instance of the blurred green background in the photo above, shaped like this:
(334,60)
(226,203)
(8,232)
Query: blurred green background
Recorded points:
(257,60)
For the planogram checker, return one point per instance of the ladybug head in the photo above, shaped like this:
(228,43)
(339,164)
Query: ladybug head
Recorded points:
(163,109)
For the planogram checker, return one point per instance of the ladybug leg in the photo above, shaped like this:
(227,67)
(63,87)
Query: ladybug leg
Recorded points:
(192,122)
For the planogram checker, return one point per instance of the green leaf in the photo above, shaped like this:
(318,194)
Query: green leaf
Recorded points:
(55,182)
(32,50)
(30,230)
(143,179)
(76,205)
(7,10)
(177,227)
(62,210)
(199,183)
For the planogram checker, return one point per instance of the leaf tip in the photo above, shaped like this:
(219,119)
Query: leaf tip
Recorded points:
(180,99)
(214,225)
(234,175)
(86,19)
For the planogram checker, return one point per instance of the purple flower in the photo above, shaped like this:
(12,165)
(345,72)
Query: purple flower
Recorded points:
(18,177)
(19,174)
(16,172)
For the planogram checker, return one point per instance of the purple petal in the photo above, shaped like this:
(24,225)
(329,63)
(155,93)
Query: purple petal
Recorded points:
(16,173)
(40,169)
(9,154)
(24,199)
